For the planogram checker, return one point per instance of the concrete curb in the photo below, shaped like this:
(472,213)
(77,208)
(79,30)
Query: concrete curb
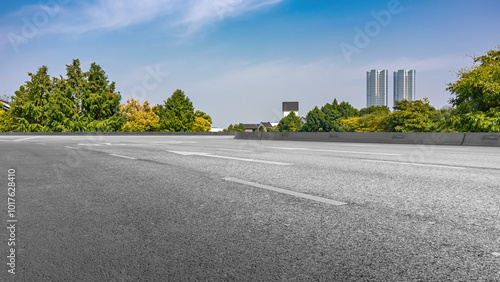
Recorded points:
(426,138)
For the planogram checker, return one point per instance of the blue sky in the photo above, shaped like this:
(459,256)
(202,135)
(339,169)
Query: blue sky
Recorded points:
(238,60)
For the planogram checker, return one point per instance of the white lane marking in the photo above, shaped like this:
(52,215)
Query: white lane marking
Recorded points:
(88,144)
(189,153)
(417,164)
(126,157)
(27,138)
(102,144)
(233,150)
(175,142)
(225,157)
(69,147)
(288,192)
(335,151)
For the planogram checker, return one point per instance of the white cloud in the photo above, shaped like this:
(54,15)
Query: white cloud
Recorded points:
(187,15)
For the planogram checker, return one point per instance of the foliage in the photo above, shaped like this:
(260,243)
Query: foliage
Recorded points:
(315,120)
(139,117)
(202,122)
(177,113)
(478,87)
(6,120)
(380,110)
(262,129)
(235,128)
(290,123)
(412,116)
(476,122)
(83,101)
(328,118)
(273,129)
(477,95)
(374,122)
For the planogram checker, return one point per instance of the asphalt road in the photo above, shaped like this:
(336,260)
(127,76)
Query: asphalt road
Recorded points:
(211,208)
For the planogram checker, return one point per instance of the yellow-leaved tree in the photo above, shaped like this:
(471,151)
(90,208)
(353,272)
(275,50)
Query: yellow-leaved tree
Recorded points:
(202,122)
(139,117)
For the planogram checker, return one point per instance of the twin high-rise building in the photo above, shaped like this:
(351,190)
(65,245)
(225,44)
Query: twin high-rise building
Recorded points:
(377,87)
(404,85)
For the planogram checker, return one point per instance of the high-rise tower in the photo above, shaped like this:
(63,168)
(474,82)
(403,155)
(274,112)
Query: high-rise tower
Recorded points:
(404,85)
(377,88)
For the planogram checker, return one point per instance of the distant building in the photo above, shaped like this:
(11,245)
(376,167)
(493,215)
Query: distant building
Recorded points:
(404,85)
(288,107)
(377,88)
(251,127)
(265,125)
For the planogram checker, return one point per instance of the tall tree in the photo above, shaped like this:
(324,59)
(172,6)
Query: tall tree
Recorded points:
(101,103)
(412,116)
(79,102)
(30,100)
(315,120)
(177,113)
(290,123)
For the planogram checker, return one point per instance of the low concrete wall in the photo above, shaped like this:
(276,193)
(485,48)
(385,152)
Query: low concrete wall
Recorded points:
(482,139)
(428,138)
(117,133)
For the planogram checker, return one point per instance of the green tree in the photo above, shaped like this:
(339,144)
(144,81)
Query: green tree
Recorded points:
(79,102)
(234,128)
(262,129)
(346,110)
(315,120)
(177,113)
(101,103)
(332,115)
(240,127)
(328,118)
(412,116)
(202,122)
(30,101)
(382,110)
(290,123)
(477,95)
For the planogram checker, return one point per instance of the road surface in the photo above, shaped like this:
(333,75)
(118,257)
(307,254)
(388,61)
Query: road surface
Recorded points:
(212,208)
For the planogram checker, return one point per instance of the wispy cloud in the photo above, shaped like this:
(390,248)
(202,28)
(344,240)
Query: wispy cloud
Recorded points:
(187,15)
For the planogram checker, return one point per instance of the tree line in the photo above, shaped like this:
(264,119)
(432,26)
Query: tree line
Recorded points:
(87,101)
